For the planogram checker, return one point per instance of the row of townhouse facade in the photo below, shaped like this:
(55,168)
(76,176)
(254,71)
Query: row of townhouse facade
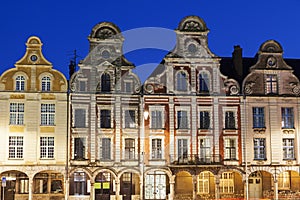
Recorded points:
(187,132)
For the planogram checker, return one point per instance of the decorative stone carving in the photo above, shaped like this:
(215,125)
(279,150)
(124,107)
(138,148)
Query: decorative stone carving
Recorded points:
(248,88)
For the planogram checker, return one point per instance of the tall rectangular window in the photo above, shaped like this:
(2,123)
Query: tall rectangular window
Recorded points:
(258,117)
(105,119)
(182,149)
(203,182)
(47,114)
(227,183)
(205,150)
(230,149)
(182,120)
(46,147)
(271,84)
(287,118)
(129,119)
(79,118)
(46,83)
(16,116)
(15,147)
(259,148)
(105,149)
(288,149)
(229,120)
(79,148)
(82,86)
(203,82)
(20,83)
(204,120)
(156,149)
(156,119)
(129,149)
(181,81)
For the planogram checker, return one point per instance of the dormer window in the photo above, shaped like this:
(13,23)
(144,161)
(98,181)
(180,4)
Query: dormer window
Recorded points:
(46,83)
(105,82)
(181,81)
(20,83)
(271,84)
(203,82)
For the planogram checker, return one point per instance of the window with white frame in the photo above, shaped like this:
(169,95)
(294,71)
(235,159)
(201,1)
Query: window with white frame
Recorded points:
(284,180)
(129,118)
(287,118)
(79,148)
(20,83)
(129,149)
(80,118)
(156,148)
(15,147)
(259,148)
(105,118)
(230,149)
(288,149)
(46,83)
(230,120)
(46,147)
(181,79)
(271,84)
(182,119)
(128,87)
(203,182)
(105,149)
(182,149)
(227,183)
(204,119)
(16,116)
(205,150)
(258,117)
(48,114)
(156,119)
(204,82)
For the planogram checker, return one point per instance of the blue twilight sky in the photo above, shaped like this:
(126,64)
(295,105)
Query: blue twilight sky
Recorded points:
(64,25)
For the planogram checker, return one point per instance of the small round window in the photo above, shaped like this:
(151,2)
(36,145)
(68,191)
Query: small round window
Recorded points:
(192,48)
(33,58)
(271,61)
(105,54)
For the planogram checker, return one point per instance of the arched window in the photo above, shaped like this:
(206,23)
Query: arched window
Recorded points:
(203,82)
(46,83)
(181,81)
(105,82)
(20,83)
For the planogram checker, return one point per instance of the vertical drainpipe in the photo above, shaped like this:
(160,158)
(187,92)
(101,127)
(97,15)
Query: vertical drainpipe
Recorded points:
(244,139)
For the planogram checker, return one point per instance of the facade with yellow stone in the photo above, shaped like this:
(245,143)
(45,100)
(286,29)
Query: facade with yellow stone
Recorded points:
(33,121)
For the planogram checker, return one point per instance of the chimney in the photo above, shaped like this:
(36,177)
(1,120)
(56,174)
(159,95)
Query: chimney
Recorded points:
(237,58)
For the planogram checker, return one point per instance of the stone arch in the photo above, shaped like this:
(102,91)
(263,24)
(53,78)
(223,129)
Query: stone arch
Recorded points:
(87,171)
(167,171)
(95,173)
(130,170)
(192,24)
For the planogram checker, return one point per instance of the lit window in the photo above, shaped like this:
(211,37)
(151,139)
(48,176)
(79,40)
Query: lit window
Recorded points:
(288,149)
(47,114)
(129,149)
(47,147)
(284,180)
(79,148)
(105,82)
(203,83)
(156,119)
(203,182)
(259,148)
(105,149)
(230,149)
(105,119)
(15,147)
(229,120)
(271,84)
(16,116)
(204,120)
(156,149)
(20,83)
(258,117)
(227,183)
(181,81)
(182,120)
(287,117)
(129,119)
(46,83)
